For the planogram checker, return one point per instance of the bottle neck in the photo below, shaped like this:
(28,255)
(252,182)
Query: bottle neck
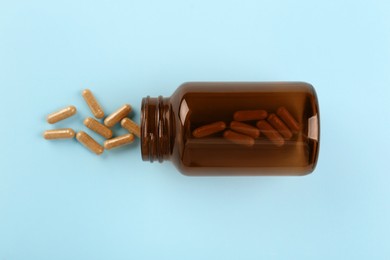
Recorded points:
(157,132)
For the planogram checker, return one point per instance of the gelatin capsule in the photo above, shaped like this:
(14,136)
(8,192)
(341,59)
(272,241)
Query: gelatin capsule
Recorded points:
(287,118)
(131,126)
(98,127)
(209,129)
(63,133)
(89,142)
(249,115)
(244,128)
(270,133)
(92,103)
(118,141)
(278,124)
(118,115)
(61,114)
(238,138)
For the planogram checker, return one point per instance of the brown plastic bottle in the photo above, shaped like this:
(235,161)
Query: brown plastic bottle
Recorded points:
(234,128)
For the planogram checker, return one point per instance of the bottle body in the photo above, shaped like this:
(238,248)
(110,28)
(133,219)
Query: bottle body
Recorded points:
(234,128)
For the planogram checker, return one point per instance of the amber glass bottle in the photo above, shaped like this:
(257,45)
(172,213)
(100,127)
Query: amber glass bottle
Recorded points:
(235,128)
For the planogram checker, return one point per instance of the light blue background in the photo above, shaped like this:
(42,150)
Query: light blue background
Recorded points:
(59,201)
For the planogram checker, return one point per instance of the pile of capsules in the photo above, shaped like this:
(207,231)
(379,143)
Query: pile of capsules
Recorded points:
(121,115)
(275,127)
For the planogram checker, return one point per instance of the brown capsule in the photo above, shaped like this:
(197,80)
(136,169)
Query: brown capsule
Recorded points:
(131,126)
(209,129)
(92,103)
(117,116)
(98,127)
(61,114)
(249,115)
(89,142)
(64,133)
(287,118)
(238,138)
(270,133)
(278,124)
(245,129)
(118,141)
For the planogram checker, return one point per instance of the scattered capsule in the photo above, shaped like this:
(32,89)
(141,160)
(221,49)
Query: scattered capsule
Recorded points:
(118,141)
(92,103)
(61,114)
(98,127)
(117,116)
(131,126)
(209,129)
(64,133)
(89,142)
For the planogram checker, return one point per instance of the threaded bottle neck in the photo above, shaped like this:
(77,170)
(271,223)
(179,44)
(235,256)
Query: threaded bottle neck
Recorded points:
(156,129)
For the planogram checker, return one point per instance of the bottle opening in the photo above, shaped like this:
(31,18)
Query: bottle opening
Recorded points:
(155,129)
